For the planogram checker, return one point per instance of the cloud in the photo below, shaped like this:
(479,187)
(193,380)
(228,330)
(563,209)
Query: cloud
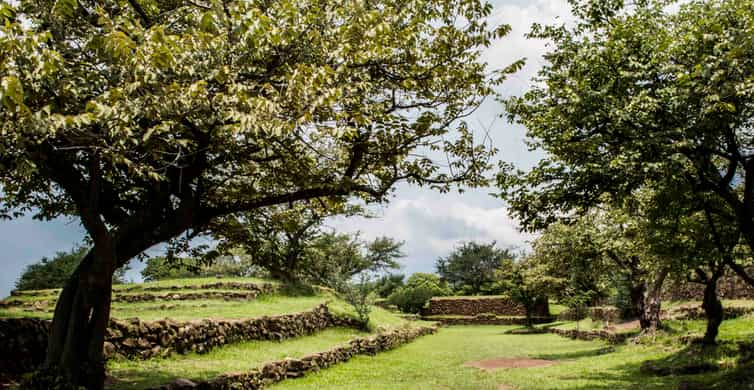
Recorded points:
(433,224)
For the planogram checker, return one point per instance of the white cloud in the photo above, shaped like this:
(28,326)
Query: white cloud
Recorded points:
(433,224)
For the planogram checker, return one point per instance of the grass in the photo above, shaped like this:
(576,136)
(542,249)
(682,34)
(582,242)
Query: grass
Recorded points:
(193,282)
(265,305)
(138,374)
(436,362)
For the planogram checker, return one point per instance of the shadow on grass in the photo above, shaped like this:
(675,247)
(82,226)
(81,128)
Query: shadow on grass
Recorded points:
(687,368)
(139,379)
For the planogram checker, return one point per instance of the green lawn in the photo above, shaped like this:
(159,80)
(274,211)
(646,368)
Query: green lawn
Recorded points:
(197,309)
(436,362)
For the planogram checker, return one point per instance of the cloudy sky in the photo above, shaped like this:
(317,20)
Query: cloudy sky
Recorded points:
(431,224)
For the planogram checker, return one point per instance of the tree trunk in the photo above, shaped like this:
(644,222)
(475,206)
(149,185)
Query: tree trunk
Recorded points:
(713,309)
(637,299)
(649,319)
(77,335)
(529,309)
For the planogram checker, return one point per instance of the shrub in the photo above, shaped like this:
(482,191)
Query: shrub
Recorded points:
(53,273)
(419,289)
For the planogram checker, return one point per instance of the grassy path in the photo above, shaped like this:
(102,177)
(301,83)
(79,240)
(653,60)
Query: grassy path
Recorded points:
(436,362)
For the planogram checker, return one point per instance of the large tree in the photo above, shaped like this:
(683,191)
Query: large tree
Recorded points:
(277,238)
(471,267)
(149,118)
(637,94)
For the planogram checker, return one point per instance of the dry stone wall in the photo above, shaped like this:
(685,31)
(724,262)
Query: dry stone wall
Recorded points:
(471,306)
(610,337)
(730,286)
(23,341)
(293,368)
(238,291)
(697,313)
(486,319)
(135,338)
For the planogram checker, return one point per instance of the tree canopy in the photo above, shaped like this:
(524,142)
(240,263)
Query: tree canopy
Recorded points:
(631,95)
(470,268)
(147,119)
(54,272)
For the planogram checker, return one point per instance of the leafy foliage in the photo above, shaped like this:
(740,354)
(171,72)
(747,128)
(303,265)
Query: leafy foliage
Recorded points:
(387,284)
(343,256)
(54,273)
(470,268)
(527,283)
(419,289)
(161,268)
(149,119)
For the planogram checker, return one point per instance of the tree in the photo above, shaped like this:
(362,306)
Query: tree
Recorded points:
(696,231)
(635,95)
(607,245)
(387,284)
(527,283)
(150,119)
(339,255)
(53,273)
(419,289)
(161,267)
(574,255)
(470,268)
(277,237)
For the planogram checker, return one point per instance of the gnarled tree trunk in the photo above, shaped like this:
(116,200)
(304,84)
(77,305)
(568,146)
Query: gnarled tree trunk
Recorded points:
(649,318)
(713,309)
(74,350)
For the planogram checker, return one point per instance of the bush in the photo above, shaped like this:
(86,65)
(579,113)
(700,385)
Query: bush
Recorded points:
(161,268)
(388,284)
(53,273)
(419,289)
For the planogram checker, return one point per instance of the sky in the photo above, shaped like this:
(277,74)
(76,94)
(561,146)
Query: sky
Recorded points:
(431,224)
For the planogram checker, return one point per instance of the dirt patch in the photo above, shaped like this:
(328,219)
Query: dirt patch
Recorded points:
(492,364)
(503,386)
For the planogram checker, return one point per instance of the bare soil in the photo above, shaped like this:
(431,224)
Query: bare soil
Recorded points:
(492,364)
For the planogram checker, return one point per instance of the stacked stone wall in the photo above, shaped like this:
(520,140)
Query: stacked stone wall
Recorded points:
(23,341)
(610,337)
(730,286)
(486,319)
(293,368)
(242,291)
(472,306)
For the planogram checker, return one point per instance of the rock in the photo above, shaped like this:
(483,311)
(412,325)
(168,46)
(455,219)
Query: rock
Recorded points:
(108,349)
(181,383)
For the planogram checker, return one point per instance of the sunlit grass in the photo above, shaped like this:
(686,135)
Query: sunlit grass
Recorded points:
(140,374)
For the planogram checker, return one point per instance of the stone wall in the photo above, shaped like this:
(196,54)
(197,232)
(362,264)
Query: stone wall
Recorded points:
(135,338)
(697,313)
(471,306)
(23,341)
(293,368)
(486,319)
(730,286)
(610,337)
(245,291)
